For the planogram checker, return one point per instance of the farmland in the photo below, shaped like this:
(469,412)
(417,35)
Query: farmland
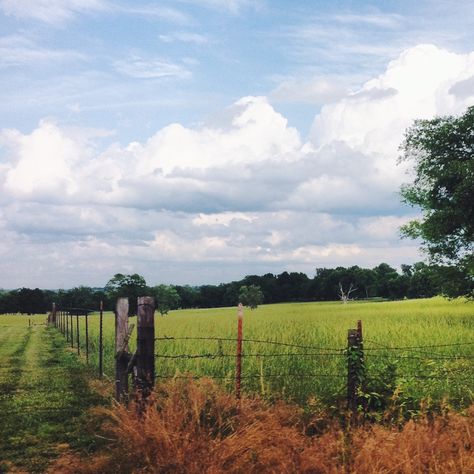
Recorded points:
(44,394)
(46,389)
(318,368)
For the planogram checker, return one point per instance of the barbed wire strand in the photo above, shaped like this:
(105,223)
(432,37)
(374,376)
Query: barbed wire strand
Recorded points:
(232,377)
(218,355)
(395,348)
(261,341)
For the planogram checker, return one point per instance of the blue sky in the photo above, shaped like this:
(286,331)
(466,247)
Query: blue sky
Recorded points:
(198,141)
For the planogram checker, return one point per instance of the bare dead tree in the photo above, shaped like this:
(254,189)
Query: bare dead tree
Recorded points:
(345,295)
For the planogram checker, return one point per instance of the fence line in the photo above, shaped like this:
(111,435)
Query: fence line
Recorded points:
(355,353)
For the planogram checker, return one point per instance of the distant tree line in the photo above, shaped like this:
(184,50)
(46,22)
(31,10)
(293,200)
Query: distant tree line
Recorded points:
(414,281)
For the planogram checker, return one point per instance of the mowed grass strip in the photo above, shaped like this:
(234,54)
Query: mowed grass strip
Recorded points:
(44,396)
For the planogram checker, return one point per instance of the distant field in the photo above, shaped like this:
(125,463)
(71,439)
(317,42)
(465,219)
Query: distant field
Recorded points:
(281,371)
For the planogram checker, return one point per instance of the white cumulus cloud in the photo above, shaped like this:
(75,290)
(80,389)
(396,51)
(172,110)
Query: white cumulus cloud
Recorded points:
(242,188)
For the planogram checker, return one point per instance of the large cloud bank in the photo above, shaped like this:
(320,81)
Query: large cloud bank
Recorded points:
(243,192)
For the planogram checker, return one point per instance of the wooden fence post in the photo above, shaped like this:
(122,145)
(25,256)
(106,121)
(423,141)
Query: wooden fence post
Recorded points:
(52,318)
(355,367)
(121,350)
(145,357)
(101,341)
(71,325)
(67,326)
(78,335)
(238,362)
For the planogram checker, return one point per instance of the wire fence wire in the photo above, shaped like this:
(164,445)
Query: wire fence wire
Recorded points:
(256,376)
(396,353)
(261,341)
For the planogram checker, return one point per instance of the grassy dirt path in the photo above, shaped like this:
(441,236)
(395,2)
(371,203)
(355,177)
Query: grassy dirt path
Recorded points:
(44,398)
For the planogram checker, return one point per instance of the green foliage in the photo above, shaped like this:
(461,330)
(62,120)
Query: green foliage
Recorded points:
(250,296)
(131,286)
(166,298)
(442,151)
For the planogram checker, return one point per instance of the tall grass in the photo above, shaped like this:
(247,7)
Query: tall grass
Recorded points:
(194,427)
(416,373)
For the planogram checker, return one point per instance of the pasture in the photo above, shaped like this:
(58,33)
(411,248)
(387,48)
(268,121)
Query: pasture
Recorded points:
(422,348)
(44,394)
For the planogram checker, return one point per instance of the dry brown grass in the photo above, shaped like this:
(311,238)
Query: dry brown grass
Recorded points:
(195,427)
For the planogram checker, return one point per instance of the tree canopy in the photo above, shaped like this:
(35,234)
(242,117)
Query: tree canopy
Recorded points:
(442,150)
(166,298)
(251,296)
(131,286)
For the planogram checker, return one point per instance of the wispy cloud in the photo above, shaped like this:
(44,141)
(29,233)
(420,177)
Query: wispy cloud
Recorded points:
(231,6)
(151,68)
(185,37)
(167,13)
(50,11)
(383,20)
(16,50)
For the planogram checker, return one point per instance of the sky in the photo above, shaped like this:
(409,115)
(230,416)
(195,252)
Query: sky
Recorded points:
(199,141)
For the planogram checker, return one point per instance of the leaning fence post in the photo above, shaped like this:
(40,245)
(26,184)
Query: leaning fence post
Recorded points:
(238,362)
(121,349)
(355,367)
(145,357)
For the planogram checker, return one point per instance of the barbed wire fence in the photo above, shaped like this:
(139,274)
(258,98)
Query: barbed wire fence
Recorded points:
(354,356)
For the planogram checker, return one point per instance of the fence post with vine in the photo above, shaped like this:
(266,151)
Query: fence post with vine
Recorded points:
(355,368)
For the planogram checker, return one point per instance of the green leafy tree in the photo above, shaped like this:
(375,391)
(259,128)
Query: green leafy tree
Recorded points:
(250,296)
(166,298)
(442,151)
(131,286)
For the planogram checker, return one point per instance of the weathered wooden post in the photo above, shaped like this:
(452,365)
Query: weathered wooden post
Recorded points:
(101,341)
(121,349)
(67,326)
(78,336)
(238,362)
(145,357)
(52,318)
(71,325)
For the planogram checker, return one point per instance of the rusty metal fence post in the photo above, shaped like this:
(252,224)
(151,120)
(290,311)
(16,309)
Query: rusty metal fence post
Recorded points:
(101,341)
(238,362)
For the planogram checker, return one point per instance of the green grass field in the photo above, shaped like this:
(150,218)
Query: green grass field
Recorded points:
(44,389)
(44,395)
(276,371)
